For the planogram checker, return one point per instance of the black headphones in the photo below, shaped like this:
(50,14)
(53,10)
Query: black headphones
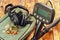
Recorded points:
(17,18)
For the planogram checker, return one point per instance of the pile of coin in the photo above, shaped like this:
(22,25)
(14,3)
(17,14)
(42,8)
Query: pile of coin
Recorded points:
(10,29)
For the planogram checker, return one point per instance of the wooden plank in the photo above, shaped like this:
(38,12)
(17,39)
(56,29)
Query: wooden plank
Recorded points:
(51,35)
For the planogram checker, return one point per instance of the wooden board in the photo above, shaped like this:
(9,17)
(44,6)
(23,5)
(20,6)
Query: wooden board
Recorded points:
(54,33)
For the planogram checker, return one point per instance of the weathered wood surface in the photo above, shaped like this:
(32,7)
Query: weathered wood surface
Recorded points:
(54,33)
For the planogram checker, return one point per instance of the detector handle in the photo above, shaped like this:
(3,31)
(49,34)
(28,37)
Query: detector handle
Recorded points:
(49,27)
(50,3)
(38,28)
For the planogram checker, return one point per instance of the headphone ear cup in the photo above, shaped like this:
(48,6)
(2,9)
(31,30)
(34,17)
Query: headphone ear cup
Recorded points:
(22,19)
(15,19)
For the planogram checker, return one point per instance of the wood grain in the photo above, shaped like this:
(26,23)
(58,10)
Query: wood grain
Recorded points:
(54,33)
